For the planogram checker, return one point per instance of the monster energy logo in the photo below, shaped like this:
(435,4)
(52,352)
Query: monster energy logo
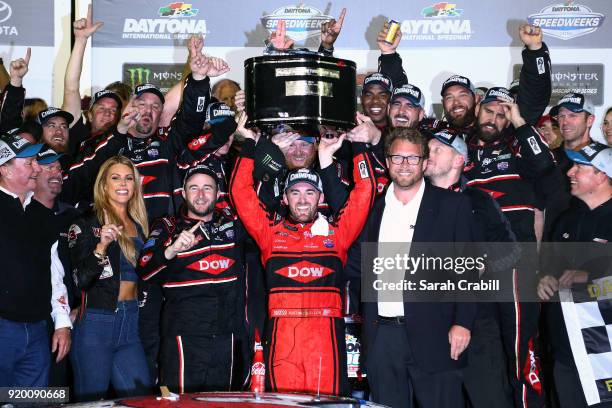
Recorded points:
(139,76)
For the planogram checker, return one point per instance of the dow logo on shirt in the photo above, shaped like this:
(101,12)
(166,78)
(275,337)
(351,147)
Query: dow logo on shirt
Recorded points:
(304,272)
(213,264)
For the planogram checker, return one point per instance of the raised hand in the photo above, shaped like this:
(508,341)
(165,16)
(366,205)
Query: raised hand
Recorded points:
(201,65)
(365,131)
(513,114)
(327,148)
(109,232)
(331,29)
(184,242)
(240,100)
(84,27)
(279,38)
(129,117)
(19,68)
(241,130)
(385,47)
(531,36)
(284,140)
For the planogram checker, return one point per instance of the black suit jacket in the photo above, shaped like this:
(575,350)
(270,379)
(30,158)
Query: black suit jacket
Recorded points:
(444,216)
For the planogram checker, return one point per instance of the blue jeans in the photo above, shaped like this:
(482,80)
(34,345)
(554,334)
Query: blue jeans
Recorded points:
(106,349)
(25,354)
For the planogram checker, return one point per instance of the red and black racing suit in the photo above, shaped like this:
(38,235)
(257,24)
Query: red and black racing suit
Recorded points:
(203,323)
(305,350)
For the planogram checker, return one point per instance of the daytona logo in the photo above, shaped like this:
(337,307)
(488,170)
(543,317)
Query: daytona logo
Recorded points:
(213,264)
(304,272)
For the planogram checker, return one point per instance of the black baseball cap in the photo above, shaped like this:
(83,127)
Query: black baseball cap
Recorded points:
(378,79)
(200,169)
(497,94)
(304,176)
(14,146)
(217,112)
(574,101)
(594,154)
(150,88)
(458,80)
(106,93)
(52,112)
(411,93)
(47,155)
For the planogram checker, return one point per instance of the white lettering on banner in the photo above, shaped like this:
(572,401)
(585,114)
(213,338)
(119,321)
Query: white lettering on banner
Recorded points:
(437,29)
(8,30)
(162,27)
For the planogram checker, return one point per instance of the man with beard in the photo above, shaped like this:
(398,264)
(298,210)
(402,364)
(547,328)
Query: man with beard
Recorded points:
(459,97)
(413,350)
(303,256)
(197,257)
(55,124)
(505,156)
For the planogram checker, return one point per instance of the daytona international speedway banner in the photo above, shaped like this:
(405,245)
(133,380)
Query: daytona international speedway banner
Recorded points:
(424,23)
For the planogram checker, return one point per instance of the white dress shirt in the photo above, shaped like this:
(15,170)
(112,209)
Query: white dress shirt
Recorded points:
(396,226)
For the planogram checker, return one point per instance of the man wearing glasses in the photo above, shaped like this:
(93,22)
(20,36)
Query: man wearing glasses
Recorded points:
(414,350)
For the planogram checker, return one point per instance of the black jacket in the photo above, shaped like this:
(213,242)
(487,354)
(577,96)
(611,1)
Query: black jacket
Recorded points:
(444,216)
(98,280)
(204,287)
(154,156)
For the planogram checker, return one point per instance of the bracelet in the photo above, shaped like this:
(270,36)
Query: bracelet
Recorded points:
(99,255)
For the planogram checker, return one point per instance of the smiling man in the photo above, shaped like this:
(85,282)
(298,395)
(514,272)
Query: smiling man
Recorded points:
(31,285)
(55,123)
(303,255)
(406,107)
(197,258)
(377,89)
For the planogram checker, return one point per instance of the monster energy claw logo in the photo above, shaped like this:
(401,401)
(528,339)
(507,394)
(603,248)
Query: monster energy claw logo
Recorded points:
(139,76)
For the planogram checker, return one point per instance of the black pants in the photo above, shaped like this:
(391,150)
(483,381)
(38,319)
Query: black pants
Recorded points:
(395,379)
(198,363)
(150,301)
(486,376)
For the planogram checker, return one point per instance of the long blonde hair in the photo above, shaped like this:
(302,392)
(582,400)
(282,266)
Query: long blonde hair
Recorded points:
(135,207)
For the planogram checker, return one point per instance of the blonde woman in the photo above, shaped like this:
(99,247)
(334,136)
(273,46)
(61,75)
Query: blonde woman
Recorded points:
(104,247)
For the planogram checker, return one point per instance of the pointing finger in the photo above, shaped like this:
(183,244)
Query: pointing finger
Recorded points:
(341,18)
(195,227)
(27,56)
(106,218)
(89,14)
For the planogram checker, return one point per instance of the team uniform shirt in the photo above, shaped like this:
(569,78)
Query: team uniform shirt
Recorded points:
(155,156)
(303,265)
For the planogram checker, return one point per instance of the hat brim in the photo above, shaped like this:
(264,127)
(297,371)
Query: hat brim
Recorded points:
(114,97)
(408,98)
(461,84)
(31,150)
(312,183)
(50,159)
(572,107)
(63,114)
(386,87)
(154,92)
